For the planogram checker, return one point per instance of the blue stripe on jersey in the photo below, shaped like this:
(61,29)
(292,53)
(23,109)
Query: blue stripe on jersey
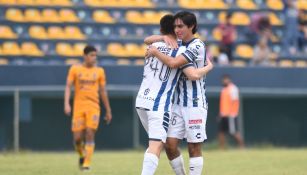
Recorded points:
(169,93)
(185,94)
(195,100)
(178,92)
(162,88)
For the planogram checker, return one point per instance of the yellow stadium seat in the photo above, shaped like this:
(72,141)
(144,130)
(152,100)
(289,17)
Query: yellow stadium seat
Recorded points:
(302,4)
(10,48)
(38,32)
(32,15)
(116,49)
(3,61)
(14,15)
(246,4)
(123,61)
(217,34)
(78,48)
(134,17)
(55,32)
(102,16)
(72,61)
(151,17)
(143,3)
(300,63)
(1,50)
(240,18)
(274,19)
(203,4)
(61,2)
(25,2)
(134,50)
(214,50)
(50,15)
(42,2)
(68,15)
(286,63)
(64,49)
(8,2)
(139,62)
(275,4)
(7,33)
(245,51)
(73,32)
(238,63)
(30,49)
(93,3)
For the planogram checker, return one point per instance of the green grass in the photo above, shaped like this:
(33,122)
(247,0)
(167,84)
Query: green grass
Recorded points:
(232,162)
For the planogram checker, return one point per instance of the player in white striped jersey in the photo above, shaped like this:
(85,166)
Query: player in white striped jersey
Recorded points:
(189,113)
(153,101)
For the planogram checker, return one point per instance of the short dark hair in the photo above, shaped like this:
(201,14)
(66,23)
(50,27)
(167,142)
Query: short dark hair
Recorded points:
(188,19)
(226,76)
(167,25)
(89,49)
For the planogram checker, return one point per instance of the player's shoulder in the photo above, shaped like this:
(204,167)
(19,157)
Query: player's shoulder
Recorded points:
(76,66)
(197,41)
(99,69)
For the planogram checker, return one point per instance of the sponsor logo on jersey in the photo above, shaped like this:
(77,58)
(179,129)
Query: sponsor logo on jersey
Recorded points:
(198,121)
(146,98)
(194,127)
(146,92)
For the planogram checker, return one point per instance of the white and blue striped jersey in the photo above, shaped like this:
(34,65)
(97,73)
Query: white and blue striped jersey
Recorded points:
(192,93)
(159,81)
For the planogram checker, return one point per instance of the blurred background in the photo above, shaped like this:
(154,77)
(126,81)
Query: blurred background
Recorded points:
(261,44)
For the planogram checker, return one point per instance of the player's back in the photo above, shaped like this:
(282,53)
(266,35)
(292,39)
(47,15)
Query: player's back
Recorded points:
(159,81)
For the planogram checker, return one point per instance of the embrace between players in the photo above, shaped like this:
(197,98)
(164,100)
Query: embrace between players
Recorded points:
(171,102)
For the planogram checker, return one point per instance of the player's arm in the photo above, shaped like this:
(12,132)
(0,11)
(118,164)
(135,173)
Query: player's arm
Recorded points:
(196,73)
(171,62)
(106,103)
(105,98)
(168,39)
(235,102)
(69,83)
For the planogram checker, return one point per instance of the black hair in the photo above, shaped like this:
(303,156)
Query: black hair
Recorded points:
(226,76)
(167,25)
(188,19)
(89,49)
(228,15)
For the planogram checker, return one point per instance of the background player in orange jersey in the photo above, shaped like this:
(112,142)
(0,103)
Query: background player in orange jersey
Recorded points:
(89,81)
(229,111)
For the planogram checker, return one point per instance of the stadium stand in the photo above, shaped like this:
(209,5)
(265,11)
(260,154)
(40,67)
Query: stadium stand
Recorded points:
(58,29)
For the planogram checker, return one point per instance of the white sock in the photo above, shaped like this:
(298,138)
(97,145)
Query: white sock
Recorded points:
(178,165)
(150,164)
(196,165)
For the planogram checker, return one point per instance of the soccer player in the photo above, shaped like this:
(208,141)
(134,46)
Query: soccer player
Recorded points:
(229,111)
(189,112)
(153,101)
(88,80)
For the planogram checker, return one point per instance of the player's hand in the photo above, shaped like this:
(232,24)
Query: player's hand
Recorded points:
(108,118)
(209,64)
(67,109)
(152,50)
(170,41)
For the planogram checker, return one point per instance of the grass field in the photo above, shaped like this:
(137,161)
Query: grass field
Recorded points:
(231,162)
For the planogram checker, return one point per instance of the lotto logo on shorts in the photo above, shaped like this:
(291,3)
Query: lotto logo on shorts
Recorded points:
(198,121)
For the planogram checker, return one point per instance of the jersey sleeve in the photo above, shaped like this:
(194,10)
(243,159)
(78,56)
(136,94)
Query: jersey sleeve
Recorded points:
(71,74)
(234,93)
(102,78)
(195,52)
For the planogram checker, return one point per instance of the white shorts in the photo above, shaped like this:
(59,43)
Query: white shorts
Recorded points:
(155,123)
(189,123)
